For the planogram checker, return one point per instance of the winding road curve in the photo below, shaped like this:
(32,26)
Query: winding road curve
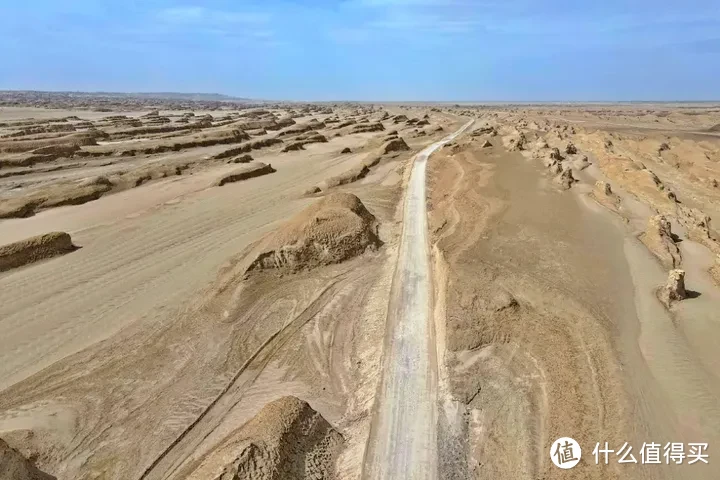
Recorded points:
(403,437)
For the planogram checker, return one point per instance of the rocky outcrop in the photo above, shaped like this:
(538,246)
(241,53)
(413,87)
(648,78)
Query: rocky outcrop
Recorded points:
(581,163)
(34,249)
(14,466)
(252,170)
(241,159)
(304,140)
(715,270)
(565,179)
(247,147)
(698,226)
(604,195)
(487,130)
(395,145)
(520,143)
(286,440)
(674,290)
(659,239)
(368,127)
(553,166)
(555,154)
(603,188)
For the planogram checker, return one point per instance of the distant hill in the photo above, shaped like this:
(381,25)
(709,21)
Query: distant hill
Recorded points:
(192,97)
(195,97)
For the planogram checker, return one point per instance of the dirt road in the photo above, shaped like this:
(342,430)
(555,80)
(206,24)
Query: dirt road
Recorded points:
(402,443)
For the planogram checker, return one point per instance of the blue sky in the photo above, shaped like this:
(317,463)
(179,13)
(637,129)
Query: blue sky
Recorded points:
(444,50)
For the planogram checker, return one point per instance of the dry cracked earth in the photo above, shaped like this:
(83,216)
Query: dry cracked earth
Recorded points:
(200,290)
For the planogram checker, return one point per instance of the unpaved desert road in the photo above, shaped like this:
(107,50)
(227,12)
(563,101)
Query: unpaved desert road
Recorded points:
(403,440)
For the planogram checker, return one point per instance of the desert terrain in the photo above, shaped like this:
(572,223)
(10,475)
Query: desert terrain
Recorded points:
(198,288)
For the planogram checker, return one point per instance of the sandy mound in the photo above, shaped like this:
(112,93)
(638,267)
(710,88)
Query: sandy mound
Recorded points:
(658,238)
(251,170)
(286,440)
(34,249)
(334,229)
(395,145)
(13,466)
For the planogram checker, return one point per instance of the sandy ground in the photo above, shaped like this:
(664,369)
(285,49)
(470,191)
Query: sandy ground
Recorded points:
(149,328)
(549,321)
(146,352)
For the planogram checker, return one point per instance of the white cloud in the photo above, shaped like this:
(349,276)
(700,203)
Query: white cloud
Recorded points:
(202,15)
(399,3)
(230,24)
(426,23)
(350,35)
(429,17)
(182,14)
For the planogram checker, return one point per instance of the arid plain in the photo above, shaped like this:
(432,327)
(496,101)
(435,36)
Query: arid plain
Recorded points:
(213,290)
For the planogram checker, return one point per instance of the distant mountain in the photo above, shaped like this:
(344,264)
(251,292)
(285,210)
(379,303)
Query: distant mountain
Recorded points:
(195,97)
(192,97)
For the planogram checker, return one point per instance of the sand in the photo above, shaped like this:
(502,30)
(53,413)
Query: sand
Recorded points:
(530,277)
(167,347)
(155,295)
